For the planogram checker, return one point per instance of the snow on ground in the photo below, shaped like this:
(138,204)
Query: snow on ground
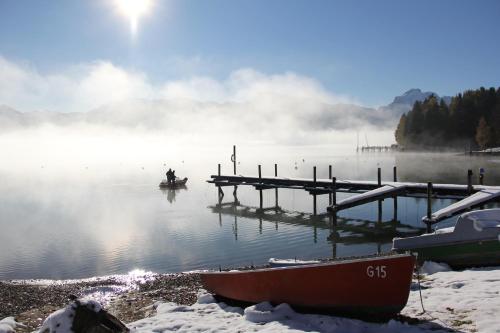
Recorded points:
(468,300)
(209,316)
(463,301)
(8,325)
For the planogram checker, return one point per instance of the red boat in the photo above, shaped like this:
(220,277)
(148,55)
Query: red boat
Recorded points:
(358,287)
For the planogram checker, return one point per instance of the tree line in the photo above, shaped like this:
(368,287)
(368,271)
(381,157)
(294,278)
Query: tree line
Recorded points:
(470,120)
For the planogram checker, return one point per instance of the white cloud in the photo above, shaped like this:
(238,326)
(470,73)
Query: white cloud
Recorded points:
(285,107)
(86,86)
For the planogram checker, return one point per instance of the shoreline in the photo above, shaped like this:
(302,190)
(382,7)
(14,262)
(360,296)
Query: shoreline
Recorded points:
(464,300)
(31,301)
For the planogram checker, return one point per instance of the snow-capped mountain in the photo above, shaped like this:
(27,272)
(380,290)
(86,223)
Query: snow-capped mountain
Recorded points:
(413,95)
(403,103)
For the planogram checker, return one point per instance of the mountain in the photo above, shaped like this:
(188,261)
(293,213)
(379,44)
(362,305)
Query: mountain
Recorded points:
(187,114)
(11,118)
(404,103)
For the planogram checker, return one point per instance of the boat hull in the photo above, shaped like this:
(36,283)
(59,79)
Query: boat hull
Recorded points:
(473,241)
(177,184)
(358,287)
(462,255)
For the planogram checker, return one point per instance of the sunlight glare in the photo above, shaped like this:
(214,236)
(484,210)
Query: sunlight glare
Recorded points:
(133,10)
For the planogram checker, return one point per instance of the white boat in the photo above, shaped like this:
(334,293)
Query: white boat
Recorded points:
(473,241)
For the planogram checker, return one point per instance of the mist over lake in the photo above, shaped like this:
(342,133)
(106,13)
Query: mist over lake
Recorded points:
(75,206)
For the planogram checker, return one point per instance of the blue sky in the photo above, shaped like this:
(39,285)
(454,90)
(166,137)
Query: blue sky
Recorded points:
(367,50)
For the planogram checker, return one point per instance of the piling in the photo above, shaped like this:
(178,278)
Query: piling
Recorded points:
(276,189)
(469,181)
(233,158)
(330,177)
(334,200)
(429,206)
(220,192)
(334,191)
(235,189)
(379,181)
(314,195)
(395,198)
(260,190)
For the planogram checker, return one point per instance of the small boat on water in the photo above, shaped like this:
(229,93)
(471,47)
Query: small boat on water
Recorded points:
(357,287)
(473,241)
(176,184)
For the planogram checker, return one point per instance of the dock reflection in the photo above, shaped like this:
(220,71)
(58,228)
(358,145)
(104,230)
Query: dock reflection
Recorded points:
(347,231)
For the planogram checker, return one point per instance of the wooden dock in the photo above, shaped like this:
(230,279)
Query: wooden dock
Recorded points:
(469,196)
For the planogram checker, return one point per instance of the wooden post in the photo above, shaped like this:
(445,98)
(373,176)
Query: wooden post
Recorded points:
(233,158)
(276,189)
(260,190)
(330,177)
(379,211)
(429,206)
(379,181)
(220,192)
(395,179)
(314,195)
(469,181)
(334,191)
(235,191)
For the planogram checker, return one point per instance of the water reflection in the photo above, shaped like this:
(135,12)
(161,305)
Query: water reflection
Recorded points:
(172,192)
(342,230)
(79,222)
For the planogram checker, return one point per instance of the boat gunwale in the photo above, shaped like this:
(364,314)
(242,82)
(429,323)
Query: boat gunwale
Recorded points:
(321,264)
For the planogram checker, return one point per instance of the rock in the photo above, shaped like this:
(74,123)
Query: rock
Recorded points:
(82,317)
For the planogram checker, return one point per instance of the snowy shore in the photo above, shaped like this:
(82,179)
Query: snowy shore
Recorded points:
(464,301)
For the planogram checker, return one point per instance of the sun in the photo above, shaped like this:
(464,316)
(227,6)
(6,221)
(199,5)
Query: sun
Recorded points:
(133,10)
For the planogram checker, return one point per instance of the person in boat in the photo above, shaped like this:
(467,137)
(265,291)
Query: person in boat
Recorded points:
(173,176)
(169,176)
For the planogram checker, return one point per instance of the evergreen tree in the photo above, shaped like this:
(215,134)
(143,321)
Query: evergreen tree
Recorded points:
(400,130)
(484,134)
(471,116)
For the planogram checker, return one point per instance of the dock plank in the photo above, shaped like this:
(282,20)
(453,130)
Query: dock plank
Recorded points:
(370,196)
(474,200)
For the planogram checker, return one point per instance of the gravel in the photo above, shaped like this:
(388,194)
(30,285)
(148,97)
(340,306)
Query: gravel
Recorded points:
(30,302)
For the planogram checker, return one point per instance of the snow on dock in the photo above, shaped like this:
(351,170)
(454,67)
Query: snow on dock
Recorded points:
(380,193)
(470,196)
(481,197)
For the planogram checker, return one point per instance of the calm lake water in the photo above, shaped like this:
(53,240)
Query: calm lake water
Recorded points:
(92,219)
